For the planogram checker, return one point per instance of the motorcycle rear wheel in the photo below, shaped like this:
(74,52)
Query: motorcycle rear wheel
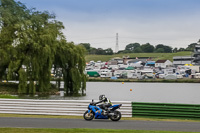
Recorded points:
(116,117)
(88,116)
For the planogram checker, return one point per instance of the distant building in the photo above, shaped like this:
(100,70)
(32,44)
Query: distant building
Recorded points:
(182,60)
(118,60)
(196,55)
(163,63)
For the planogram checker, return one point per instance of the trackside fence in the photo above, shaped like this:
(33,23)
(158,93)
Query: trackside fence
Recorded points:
(166,110)
(54,107)
(78,107)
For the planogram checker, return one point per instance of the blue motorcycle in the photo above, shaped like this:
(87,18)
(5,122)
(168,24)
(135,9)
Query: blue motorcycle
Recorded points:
(98,112)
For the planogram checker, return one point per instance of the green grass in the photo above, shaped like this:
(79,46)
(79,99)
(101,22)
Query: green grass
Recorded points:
(9,96)
(77,130)
(157,56)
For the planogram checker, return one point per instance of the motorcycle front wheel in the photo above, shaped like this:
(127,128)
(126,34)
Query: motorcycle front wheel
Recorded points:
(116,117)
(88,116)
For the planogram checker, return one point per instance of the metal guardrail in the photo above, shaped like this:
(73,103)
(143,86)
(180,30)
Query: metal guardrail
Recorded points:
(54,107)
(78,107)
(166,110)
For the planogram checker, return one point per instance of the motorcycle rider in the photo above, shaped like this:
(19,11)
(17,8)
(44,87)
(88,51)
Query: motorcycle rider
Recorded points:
(107,103)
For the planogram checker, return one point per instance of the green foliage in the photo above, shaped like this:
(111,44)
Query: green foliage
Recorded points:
(108,51)
(22,81)
(175,50)
(191,47)
(147,48)
(137,50)
(31,87)
(98,51)
(155,56)
(71,59)
(86,46)
(181,49)
(131,47)
(28,46)
(159,50)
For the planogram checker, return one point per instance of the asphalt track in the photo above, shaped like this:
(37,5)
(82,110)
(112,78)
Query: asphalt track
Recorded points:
(100,124)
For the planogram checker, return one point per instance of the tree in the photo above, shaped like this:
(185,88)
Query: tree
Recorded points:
(175,50)
(86,46)
(100,51)
(181,49)
(147,48)
(138,50)
(191,46)
(160,50)
(93,50)
(9,20)
(165,49)
(108,51)
(30,42)
(159,46)
(120,51)
(130,47)
(71,59)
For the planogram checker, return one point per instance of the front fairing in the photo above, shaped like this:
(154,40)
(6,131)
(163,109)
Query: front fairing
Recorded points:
(97,111)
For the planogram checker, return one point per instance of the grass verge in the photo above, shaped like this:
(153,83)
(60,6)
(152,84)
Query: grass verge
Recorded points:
(77,130)
(156,56)
(9,96)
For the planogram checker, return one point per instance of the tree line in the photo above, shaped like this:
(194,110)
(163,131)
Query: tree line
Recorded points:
(31,43)
(138,48)
(97,51)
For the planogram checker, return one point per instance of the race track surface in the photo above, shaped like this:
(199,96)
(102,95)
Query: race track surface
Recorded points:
(100,124)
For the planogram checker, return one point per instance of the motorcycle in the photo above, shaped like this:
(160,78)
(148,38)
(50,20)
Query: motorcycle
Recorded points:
(97,112)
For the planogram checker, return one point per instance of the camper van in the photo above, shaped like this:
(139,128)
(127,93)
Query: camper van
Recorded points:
(105,73)
(148,73)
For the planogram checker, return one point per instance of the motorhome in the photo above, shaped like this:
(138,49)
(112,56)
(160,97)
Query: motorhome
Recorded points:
(105,73)
(146,73)
(197,76)
(117,73)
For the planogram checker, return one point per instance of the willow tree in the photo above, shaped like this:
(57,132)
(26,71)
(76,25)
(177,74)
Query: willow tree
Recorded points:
(71,59)
(29,42)
(9,17)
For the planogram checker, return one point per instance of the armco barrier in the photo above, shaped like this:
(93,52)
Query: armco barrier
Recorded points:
(166,110)
(54,107)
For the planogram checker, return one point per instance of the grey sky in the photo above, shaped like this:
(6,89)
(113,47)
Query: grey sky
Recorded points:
(170,22)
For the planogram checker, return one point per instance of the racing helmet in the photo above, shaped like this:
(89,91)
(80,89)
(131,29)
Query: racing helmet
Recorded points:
(102,97)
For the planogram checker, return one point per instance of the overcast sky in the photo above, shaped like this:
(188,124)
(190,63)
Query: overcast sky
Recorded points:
(171,22)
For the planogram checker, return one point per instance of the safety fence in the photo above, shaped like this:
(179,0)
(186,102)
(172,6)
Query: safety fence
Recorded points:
(78,107)
(166,110)
(54,107)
